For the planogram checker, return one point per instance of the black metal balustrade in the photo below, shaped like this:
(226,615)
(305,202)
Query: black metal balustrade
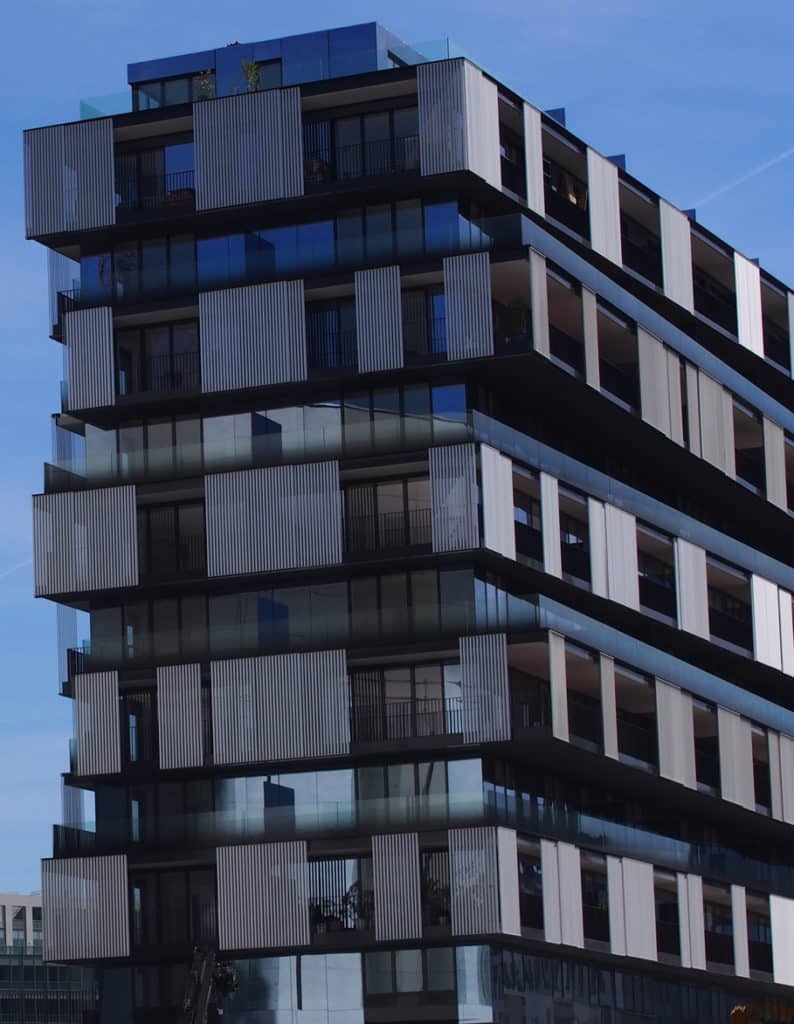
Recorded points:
(657,585)
(186,556)
(707,762)
(337,903)
(595,906)
(584,720)
(157,192)
(530,700)
(380,157)
(402,720)
(776,344)
(622,382)
(575,547)
(566,198)
(425,337)
(568,350)
(637,737)
(642,250)
(750,467)
(714,301)
(668,937)
(435,889)
(180,371)
(511,328)
(331,349)
(388,531)
(730,619)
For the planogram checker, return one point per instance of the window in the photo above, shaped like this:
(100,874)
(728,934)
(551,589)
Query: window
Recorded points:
(511,149)
(668,932)
(155,179)
(566,330)
(719,925)
(166,92)
(583,678)
(635,700)
(774,310)
(761,774)
(435,893)
(406,701)
(730,617)
(714,283)
(595,900)
(759,933)
(510,306)
(19,933)
(789,457)
(340,895)
(530,886)
(139,728)
(171,540)
(640,233)
(173,909)
(656,564)
(565,182)
(389,514)
(359,146)
(331,335)
(574,537)
(530,690)
(618,358)
(707,751)
(424,324)
(164,357)
(391,976)
(748,434)
(527,519)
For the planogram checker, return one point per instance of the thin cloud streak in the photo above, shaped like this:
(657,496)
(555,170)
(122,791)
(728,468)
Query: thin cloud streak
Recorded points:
(746,177)
(14,568)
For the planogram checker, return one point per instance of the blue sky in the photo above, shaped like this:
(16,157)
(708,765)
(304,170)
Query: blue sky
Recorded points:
(699,95)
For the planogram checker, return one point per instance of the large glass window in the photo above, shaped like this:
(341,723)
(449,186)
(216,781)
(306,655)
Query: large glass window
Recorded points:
(406,701)
(165,92)
(388,514)
(156,179)
(595,899)
(331,335)
(164,357)
(358,146)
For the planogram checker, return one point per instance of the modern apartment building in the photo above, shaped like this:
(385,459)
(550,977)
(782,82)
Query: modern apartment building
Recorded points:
(32,992)
(426,482)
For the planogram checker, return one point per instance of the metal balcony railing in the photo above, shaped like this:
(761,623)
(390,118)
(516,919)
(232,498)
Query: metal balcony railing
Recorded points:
(180,371)
(186,556)
(388,531)
(331,350)
(402,720)
(157,192)
(371,159)
(425,336)
(337,903)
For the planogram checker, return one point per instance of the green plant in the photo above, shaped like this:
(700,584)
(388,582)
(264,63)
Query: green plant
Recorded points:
(252,75)
(206,85)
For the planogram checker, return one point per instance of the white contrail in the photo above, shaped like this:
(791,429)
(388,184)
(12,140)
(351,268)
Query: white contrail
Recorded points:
(746,177)
(7,572)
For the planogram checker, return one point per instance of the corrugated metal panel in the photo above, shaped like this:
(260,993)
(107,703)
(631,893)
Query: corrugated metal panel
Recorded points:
(262,896)
(484,687)
(676,255)
(674,395)
(509,902)
(249,148)
(284,707)
(787,777)
(617,914)
(766,621)
(604,206)
(86,909)
(691,588)
(781,913)
(398,893)
(533,156)
(252,336)
(748,304)
(775,775)
(741,946)
(696,921)
(550,523)
(179,723)
(592,368)
(622,570)
(282,517)
(736,759)
(88,336)
(786,632)
(640,909)
(654,383)
(609,713)
(85,540)
(482,125)
(379,319)
(775,464)
(499,531)
(559,687)
(474,881)
(683,920)
(442,117)
(550,875)
(676,734)
(716,424)
(97,723)
(69,178)
(692,408)
(453,489)
(539,301)
(467,292)
(571,915)
(596,519)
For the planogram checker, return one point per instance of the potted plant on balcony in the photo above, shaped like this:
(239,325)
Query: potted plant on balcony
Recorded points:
(357,906)
(252,75)
(205,89)
(436,899)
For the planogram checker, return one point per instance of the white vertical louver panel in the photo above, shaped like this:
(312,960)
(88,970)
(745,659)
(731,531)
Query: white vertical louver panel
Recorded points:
(263,896)
(97,723)
(741,946)
(592,367)
(469,309)
(379,321)
(781,913)
(282,707)
(397,884)
(748,304)
(499,531)
(787,777)
(609,715)
(571,913)
(474,881)
(179,718)
(692,408)
(683,920)
(676,734)
(622,569)
(509,903)
(533,159)
(482,125)
(786,632)
(691,588)
(716,424)
(252,336)
(617,913)
(442,117)
(550,525)
(775,775)
(765,605)
(88,336)
(736,758)
(696,921)
(69,178)
(453,490)
(640,909)
(558,686)
(282,517)
(85,540)
(775,463)
(484,688)
(550,894)
(597,527)
(539,302)
(654,384)
(249,148)
(675,397)
(676,255)
(604,206)
(86,908)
